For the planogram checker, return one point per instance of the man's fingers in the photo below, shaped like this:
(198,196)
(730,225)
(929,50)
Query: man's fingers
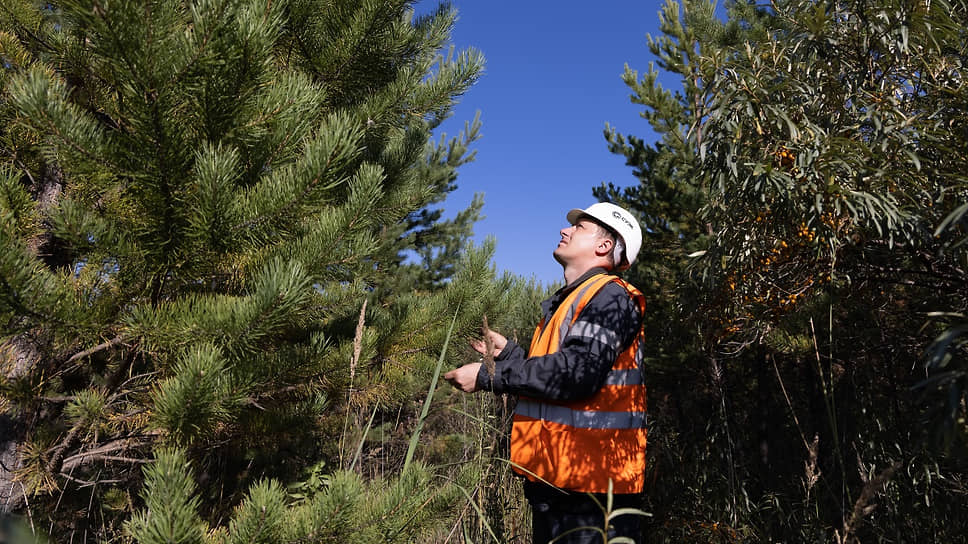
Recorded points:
(452,377)
(464,378)
(478,346)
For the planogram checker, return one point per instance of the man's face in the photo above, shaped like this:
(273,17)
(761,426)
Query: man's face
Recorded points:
(579,241)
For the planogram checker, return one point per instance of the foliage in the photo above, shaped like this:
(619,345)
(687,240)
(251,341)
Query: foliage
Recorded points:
(806,204)
(344,509)
(171,502)
(210,214)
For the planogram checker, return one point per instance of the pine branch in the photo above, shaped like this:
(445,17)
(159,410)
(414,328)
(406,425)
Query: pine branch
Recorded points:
(120,48)
(21,28)
(16,302)
(56,462)
(283,143)
(357,47)
(176,78)
(331,159)
(410,351)
(57,459)
(46,123)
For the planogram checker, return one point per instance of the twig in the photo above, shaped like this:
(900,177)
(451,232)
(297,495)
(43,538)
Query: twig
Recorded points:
(94,457)
(30,515)
(58,398)
(63,490)
(56,463)
(100,347)
(99,453)
(87,483)
(90,502)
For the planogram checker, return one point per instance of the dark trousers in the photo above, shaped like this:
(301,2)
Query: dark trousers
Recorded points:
(576,518)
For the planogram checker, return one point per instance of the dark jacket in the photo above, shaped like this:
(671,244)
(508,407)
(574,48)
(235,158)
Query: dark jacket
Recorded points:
(579,368)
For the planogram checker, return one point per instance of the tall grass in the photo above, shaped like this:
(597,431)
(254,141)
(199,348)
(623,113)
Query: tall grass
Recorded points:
(415,438)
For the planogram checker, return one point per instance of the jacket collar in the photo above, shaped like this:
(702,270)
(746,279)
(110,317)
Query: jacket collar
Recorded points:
(549,305)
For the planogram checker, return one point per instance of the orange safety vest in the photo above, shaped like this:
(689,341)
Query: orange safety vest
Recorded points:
(581,445)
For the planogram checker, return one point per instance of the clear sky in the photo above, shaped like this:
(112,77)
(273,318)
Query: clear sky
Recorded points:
(552,81)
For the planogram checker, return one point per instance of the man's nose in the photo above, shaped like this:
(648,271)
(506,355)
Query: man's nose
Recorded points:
(567,230)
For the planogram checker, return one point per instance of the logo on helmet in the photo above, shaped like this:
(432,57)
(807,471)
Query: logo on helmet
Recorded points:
(621,217)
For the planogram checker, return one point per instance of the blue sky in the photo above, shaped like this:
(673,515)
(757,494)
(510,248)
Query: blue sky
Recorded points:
(552,81)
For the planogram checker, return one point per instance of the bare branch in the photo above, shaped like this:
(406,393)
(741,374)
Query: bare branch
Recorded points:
(89,483)
(100,347)
(102,453)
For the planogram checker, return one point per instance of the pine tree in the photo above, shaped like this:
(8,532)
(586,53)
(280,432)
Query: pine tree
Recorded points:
(205,207)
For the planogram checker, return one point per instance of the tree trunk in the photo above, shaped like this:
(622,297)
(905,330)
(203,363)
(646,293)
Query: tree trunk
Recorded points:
(23,354)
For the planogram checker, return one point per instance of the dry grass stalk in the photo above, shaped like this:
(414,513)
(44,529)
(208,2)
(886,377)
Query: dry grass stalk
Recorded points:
(811,471)
(358,341)
(488,348)
(863,506)
(793,412)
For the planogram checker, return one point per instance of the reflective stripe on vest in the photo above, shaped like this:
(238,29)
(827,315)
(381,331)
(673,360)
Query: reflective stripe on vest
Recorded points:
(624,377)
(586,419)
(569,317)
(591,330)
(582,445)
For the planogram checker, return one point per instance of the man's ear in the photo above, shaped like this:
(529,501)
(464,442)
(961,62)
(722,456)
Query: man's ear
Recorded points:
(604,246)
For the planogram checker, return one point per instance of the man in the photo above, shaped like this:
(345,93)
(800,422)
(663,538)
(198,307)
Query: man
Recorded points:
(579,424)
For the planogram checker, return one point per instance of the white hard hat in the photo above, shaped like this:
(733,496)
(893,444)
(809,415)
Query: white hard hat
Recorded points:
(619,220)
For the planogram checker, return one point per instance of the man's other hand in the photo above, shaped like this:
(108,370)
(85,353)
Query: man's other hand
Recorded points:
(498,341)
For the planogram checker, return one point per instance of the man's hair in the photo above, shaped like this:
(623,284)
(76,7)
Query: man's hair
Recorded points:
(615,255)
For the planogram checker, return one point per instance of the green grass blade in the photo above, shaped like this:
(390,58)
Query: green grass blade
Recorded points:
(480,513)
(366,431)
(430,395)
